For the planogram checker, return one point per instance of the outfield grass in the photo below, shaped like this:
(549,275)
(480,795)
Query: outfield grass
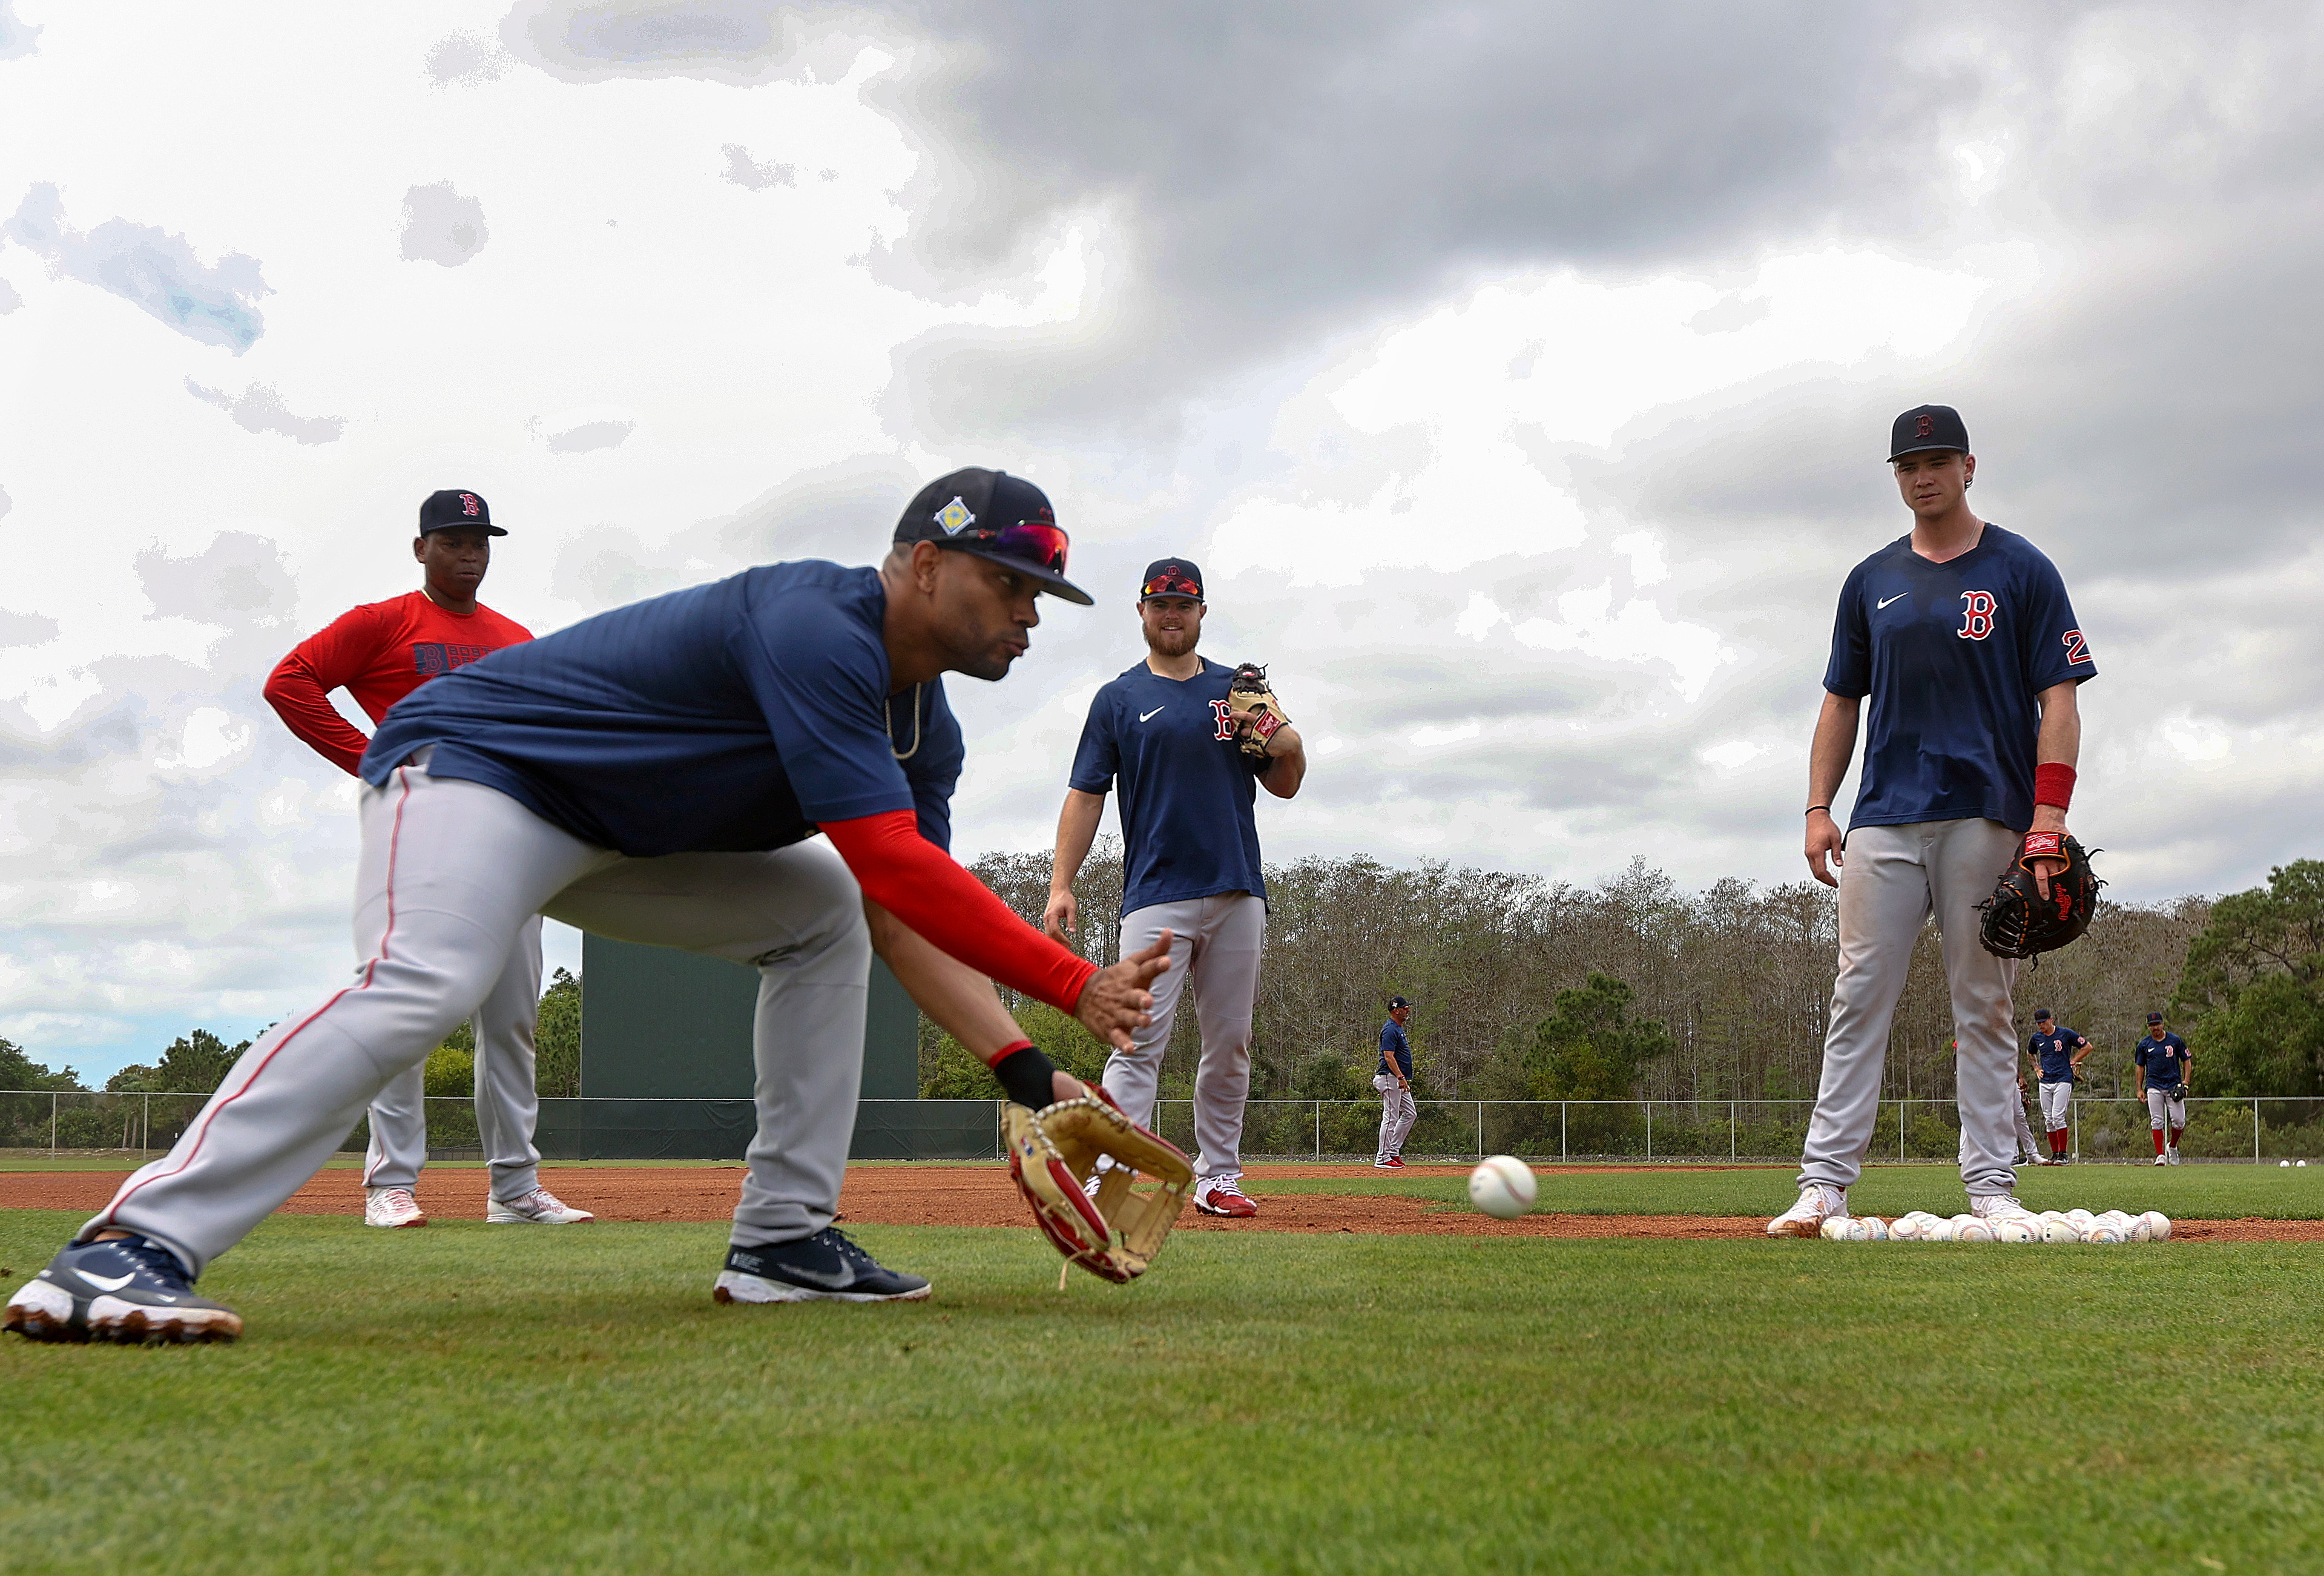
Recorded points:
(467,1399)
(2185,1192)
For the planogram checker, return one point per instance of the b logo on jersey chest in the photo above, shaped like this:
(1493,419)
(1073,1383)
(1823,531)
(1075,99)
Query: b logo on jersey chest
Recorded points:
(1219,710)
(1977,615)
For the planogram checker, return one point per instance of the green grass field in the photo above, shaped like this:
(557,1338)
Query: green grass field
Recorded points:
(472,1400)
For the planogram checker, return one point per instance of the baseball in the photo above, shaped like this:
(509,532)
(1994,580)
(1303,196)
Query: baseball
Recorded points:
(2061,1229)
(1844,1229)
(1876,1228)
(2102,1234)
(2158,1226)
(2015,1229)
(1502,1186)
(2081,1217)
(1969,1228)
(2285,1164)
(1938,1230)
(1907,1228)
(2138,1230)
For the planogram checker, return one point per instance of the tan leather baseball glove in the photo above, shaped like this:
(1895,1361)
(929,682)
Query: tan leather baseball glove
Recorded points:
(1054,1151)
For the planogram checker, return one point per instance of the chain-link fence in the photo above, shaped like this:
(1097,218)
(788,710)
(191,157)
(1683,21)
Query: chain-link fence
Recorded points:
(1585,1130)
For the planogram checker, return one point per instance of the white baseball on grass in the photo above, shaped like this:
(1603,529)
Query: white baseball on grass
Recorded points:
(1907,1228)
(2015,1229)
(2285,1164)
(2158,1226)
(1974,1230)
(1875,1229)
(1940,1230)
(1502,1186)
(2081,1217)
(2138,1230)
(2061,1229)
(2102,1234)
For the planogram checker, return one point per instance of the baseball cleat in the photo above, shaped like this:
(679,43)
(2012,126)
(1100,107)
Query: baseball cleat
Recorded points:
(392,1207)
(1817,1202)
(2173,1153)
(2000,1206)
(2163,1159)
(540,1207)
(1396,1162)
(1223,1195)
(130,1290)
(827,1267)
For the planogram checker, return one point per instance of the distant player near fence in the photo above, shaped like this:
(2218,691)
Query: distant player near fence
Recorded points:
(2060,1053)
(2163,1059)
(1956,649)
(379,653)
(1394,1082)
(1177,736)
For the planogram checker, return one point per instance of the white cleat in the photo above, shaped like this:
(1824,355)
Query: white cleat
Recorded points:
(1817,1202)
(2001,1206)
(2173,1153)
(392,1207)
(540,1207)
(2163,1159)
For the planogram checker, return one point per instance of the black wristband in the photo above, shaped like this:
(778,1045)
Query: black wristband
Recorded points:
(1811,809)
(1028,1077)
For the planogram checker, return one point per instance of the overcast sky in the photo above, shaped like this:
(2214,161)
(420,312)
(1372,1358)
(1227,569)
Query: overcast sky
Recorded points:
(1519,375)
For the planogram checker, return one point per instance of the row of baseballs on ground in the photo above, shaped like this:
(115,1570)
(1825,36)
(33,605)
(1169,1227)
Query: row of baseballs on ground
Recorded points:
(2048,1226)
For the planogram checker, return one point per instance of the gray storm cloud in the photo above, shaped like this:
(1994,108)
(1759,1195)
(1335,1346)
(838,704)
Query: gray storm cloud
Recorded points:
(442,227)
(156,272)
(260,409)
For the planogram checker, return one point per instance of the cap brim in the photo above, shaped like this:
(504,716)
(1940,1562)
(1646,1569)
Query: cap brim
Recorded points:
(462,525)
(1926,448)
(1054,584)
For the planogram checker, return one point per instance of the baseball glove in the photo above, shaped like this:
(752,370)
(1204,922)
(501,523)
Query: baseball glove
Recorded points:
(2019,921)
(1051,1154)
(1247,691)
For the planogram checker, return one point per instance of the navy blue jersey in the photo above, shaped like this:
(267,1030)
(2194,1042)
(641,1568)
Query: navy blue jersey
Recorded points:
(731,716)
(1188,830)
(1394,1043)
(2165,1061)
(1952,657)
(2056,1051)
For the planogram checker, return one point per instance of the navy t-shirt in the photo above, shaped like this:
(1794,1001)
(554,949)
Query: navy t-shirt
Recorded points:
(2165,1061)
(2056,1051)
(729,717)
(1952,657)
(1394,1043)
(1187,788)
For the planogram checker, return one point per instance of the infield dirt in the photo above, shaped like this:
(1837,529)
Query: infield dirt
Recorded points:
(980,1195)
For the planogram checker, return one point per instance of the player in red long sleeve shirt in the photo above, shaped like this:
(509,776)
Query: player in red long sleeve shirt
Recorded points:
(379,653)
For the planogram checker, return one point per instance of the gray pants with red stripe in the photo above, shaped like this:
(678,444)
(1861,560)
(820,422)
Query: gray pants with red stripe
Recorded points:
(451,875)
(508,1102)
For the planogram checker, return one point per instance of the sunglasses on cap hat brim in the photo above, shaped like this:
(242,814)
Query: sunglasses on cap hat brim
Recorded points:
(1169,585)
(1033,547)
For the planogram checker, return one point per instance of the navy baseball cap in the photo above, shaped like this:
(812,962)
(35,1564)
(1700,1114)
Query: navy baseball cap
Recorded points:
(2040,1013)
(996,516)
(443,511)
(1171,577)
(1396,1002)
(1927,427)
(2154,1017)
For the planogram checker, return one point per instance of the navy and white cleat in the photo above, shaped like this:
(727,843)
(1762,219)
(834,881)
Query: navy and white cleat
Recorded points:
(825,1265)
(129,1290)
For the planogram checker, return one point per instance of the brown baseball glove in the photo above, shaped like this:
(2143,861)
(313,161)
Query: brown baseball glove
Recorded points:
(1247,691)
(2020,921)
(1054,1151)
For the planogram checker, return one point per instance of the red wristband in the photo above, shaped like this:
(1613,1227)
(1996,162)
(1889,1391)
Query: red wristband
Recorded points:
(2053,784)
(1007,1051)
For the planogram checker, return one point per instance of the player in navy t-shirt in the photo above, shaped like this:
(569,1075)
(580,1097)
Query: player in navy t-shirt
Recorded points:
(1394,1082)
(2162,1057)
(1167,734)
(1957,650)
(2059,1052)
(657,774)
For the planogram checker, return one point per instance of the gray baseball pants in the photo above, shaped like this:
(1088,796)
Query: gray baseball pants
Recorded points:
(451,875)
(1214,946)
(1397,1113)
(508,1101)
(1891,879)
(2025,1128)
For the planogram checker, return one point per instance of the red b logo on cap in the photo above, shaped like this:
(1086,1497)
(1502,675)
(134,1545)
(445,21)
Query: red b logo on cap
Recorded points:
(470,507)
(1928,425)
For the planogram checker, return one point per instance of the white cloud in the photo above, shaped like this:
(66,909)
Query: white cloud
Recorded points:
(157,273)
(442,226)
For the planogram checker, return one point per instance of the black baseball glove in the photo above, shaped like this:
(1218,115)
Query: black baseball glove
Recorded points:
(2020,921)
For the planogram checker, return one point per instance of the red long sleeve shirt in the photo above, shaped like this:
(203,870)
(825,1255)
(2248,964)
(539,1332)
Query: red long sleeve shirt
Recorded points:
(379,653)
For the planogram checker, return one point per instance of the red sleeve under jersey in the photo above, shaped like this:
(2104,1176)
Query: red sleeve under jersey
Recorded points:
(921,885)
(299,687)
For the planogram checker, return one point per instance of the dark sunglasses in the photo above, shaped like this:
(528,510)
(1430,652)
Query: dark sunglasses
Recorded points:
(1168,585)
(1029,540)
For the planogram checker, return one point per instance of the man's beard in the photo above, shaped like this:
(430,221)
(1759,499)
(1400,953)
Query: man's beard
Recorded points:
(1175,642)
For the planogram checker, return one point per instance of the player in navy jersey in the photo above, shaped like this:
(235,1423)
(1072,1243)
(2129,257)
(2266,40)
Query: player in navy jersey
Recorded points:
(1961,638)
(2162,1058)
(657,774)
(1167,733)
(2060,1053)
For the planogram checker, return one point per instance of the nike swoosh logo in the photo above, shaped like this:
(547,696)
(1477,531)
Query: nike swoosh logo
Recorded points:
(108,1283)
(1143,715)
(1898,597)
(837,1280)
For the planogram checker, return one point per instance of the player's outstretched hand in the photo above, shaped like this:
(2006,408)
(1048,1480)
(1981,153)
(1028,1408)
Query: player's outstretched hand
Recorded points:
(1823,842)
(1060,918)
(1117,999)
